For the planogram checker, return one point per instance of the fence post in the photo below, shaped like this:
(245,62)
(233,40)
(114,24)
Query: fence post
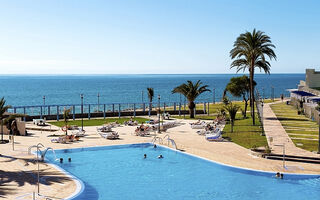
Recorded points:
(179,108)
(134,110)
(164,107)
(24,112)
(89,112)
(113,109)
(57,113)
(40,112)
(119,110)
(144,107)
(48,110)
(208,108)
(204,107)
(104,111)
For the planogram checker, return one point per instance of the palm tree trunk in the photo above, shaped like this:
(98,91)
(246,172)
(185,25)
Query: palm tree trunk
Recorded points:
(191,109)
(252,92)
(245,107)
(232,123)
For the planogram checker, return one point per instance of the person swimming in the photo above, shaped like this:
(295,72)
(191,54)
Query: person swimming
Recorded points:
(154,146)
(145,156)
(160,156)
(278,175)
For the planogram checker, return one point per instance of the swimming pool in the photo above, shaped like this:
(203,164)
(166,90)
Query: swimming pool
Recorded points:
(121,172)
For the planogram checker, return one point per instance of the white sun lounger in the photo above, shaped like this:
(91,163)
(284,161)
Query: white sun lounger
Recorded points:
(214,136)
(109,135)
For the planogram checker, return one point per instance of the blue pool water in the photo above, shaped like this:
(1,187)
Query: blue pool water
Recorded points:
(120,172)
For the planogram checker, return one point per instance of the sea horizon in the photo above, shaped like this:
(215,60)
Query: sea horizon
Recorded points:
(138,74)
(24,90)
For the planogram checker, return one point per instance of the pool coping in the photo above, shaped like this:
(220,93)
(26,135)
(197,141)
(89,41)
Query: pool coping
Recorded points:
(80,185)
(242,169)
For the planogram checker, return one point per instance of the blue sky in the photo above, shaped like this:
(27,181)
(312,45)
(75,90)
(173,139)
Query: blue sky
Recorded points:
(151,36)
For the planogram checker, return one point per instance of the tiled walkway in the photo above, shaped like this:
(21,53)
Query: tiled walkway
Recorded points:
(276,135)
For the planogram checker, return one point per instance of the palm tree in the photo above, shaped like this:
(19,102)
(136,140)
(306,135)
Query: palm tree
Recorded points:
(232,110)
(240,87)
(66,115)
(250,51)
(3,109)
(150,96)
(191,91)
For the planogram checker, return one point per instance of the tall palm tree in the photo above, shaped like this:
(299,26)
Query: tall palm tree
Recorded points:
(150,96)
(66,115)
(3,108)
(232,110)
(250,51)
(191,91)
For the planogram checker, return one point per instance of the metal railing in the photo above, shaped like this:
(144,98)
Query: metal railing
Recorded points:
(104,109)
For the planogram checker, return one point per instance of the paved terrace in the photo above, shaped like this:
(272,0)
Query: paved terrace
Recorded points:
(277,135)
(18,172)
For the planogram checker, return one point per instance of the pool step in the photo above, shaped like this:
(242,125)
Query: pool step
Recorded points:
(304,159)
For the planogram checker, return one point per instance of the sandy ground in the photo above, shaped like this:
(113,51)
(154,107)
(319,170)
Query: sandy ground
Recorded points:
(18,173)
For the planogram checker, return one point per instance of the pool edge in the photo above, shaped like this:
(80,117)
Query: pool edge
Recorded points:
(242,168)
(80,186)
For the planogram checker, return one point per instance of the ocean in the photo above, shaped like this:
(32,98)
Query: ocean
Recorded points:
(22,90)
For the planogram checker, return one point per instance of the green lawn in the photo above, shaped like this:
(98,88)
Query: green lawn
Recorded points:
(213,108)
(297,124)
(245,134)
(97,122)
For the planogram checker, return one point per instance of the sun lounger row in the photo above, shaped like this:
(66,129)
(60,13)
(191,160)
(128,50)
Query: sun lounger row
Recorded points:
(109,135)
(142,133)
(104,129)
(65,139)
(79,132)
(165,125)
(130,123)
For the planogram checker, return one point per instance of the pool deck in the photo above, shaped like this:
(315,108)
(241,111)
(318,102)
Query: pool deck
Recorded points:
(19,176)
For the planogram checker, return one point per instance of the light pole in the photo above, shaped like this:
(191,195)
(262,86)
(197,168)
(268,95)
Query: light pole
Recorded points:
(39,145)
(159,113)
(142,96)
(184,113)
(319,135)
(98,100)
(262,118)
(81,96)
(44,103)
(214,96)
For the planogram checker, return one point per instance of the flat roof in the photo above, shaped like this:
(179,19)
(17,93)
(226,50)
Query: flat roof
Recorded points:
(303,93)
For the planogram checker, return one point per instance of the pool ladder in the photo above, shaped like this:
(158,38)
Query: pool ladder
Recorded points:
(166,137)
(42,153)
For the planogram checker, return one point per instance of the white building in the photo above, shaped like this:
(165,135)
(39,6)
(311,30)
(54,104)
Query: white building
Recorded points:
(312,78)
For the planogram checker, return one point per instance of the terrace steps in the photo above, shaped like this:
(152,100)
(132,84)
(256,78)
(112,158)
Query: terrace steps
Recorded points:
(304,159)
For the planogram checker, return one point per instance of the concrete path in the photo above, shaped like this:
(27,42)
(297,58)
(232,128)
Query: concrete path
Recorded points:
(277,135)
